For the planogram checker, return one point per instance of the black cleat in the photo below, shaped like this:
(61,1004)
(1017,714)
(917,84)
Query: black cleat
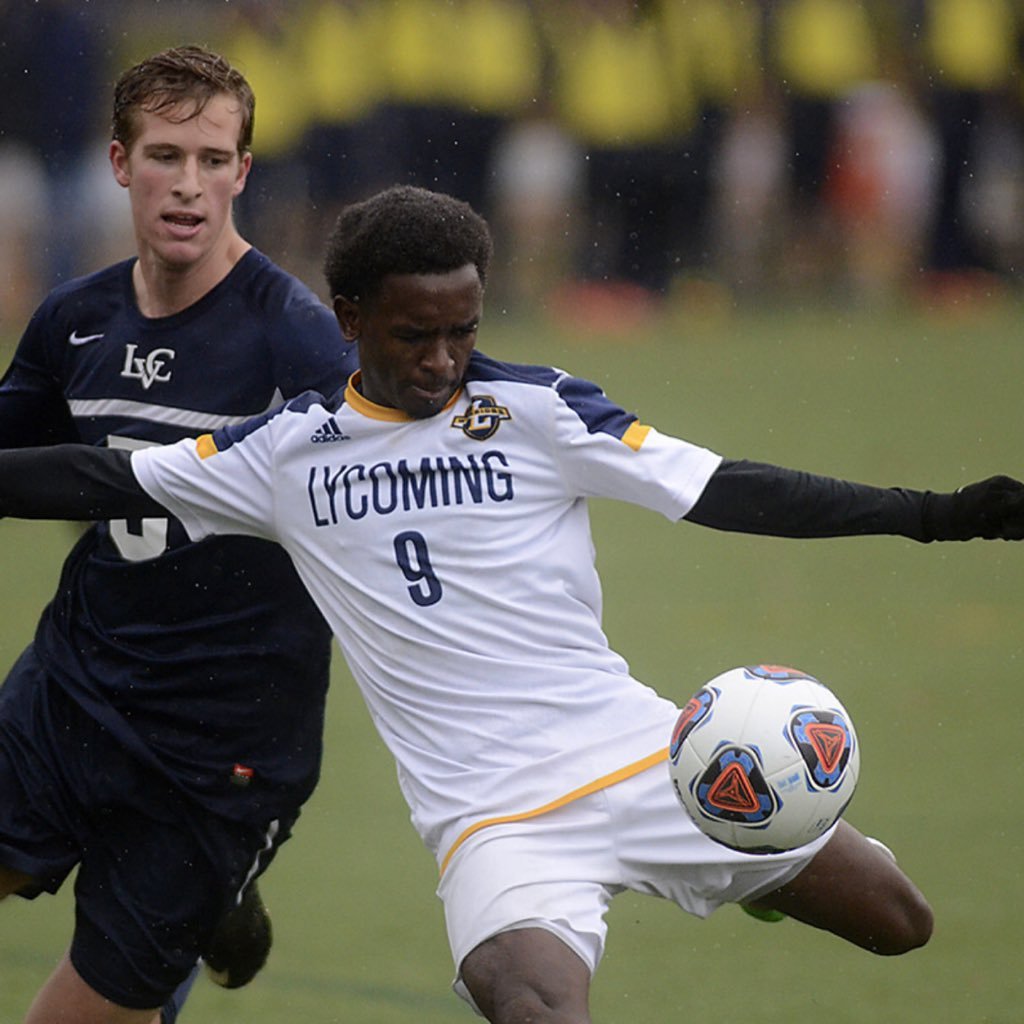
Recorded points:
(241,942)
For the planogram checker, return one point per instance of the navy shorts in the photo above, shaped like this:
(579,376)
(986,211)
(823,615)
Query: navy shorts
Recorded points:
(156,871)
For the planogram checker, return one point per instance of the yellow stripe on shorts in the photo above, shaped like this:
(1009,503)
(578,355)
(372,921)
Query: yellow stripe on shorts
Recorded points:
(619,775)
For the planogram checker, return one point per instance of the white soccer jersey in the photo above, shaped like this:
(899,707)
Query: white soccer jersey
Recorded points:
(453,558)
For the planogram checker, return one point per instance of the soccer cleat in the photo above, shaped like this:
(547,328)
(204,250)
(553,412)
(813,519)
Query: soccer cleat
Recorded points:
(881,846)
(763,914)
(241,942)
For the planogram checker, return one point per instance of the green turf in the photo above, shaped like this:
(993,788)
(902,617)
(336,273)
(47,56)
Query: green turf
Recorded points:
(923,643)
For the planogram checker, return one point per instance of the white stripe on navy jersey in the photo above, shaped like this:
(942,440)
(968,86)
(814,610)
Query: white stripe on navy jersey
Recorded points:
(187,419)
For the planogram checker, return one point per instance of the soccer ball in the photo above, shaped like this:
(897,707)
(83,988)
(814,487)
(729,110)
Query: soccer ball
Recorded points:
(764,758)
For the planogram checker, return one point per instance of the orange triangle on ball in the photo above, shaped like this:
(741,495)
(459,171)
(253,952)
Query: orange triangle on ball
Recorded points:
(732,791)
(829,742)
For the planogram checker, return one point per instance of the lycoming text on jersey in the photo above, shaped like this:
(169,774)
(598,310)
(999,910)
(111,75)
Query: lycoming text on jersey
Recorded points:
(354,491)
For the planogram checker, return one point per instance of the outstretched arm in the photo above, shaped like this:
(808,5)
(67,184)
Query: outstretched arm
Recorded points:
(753,497)
(72,481)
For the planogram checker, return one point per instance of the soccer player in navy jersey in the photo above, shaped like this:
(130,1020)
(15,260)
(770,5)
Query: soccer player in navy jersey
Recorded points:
(171,702)
(436,508)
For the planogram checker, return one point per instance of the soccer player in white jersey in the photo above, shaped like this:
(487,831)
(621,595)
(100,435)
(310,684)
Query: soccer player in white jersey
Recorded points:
(436,509)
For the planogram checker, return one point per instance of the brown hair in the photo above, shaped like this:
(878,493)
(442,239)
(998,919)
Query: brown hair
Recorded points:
(182,74)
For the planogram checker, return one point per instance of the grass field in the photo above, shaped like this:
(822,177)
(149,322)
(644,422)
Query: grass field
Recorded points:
(923,643)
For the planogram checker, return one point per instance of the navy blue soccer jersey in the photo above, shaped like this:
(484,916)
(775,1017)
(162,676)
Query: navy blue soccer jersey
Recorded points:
(207,660)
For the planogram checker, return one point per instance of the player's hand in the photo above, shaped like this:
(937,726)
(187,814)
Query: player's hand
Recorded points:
(992,509)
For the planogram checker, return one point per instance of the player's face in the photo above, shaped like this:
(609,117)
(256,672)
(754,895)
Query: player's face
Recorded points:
(182,177)
(415,338)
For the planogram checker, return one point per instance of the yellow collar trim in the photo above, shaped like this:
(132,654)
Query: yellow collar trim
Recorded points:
(373,411)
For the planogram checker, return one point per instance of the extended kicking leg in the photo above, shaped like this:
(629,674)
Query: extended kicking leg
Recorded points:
(854,889)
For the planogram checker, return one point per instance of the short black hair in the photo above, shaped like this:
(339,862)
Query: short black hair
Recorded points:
(403,230)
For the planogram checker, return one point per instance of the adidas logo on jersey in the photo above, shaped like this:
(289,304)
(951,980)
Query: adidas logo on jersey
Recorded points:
(330,431)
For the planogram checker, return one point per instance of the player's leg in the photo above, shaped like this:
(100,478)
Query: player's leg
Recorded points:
(158,875)
(66,997)
(37,849)
(525,904)
(12,881)
(528,975)
(854,889)
(234,956)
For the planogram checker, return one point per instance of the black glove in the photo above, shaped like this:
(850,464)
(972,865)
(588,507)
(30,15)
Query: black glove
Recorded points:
(992,509)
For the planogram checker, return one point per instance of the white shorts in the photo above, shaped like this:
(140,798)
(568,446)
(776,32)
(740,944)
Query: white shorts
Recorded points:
(560,870)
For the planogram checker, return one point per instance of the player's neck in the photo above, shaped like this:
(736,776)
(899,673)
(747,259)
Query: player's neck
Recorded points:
(163,289)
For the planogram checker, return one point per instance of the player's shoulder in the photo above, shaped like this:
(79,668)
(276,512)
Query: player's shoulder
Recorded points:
(105,287)
(582,401)
(308,403)
(559,384)
(77,310)
(486,369)
(276,292)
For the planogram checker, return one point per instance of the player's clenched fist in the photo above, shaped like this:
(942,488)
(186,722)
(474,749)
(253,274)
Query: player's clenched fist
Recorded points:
(992,509)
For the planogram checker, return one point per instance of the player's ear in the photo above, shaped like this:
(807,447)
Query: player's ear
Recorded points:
(347,313)
(244,165)
(119,162)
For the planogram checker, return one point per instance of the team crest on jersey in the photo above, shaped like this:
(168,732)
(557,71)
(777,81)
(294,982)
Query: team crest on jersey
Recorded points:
(481,418)
(149,368)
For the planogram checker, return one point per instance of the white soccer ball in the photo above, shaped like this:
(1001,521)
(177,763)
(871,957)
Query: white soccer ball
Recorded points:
(764,758)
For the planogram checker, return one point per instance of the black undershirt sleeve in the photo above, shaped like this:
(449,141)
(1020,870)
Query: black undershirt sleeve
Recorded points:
(753,497)
(72,481)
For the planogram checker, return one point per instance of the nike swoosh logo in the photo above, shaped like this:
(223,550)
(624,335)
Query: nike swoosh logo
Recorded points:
(74,338)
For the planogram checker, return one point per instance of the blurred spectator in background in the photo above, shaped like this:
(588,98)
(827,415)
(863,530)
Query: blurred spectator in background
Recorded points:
(970,63)
(645,89)
(458,73)
(881,190)
(52,68)
(340,143)
(714,61)
(613,93)
(819,50)
(632,148)
(264,38)
(537,207)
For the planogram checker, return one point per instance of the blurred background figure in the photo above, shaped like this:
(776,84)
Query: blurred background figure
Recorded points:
(970,60)
(52,68)
(819,51)
(345,88)
(613,92)
(265,39)
(634,156)
(882,190)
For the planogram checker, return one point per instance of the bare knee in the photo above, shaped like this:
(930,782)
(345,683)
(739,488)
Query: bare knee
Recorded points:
(527,976)
(856,891)
(908,925)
